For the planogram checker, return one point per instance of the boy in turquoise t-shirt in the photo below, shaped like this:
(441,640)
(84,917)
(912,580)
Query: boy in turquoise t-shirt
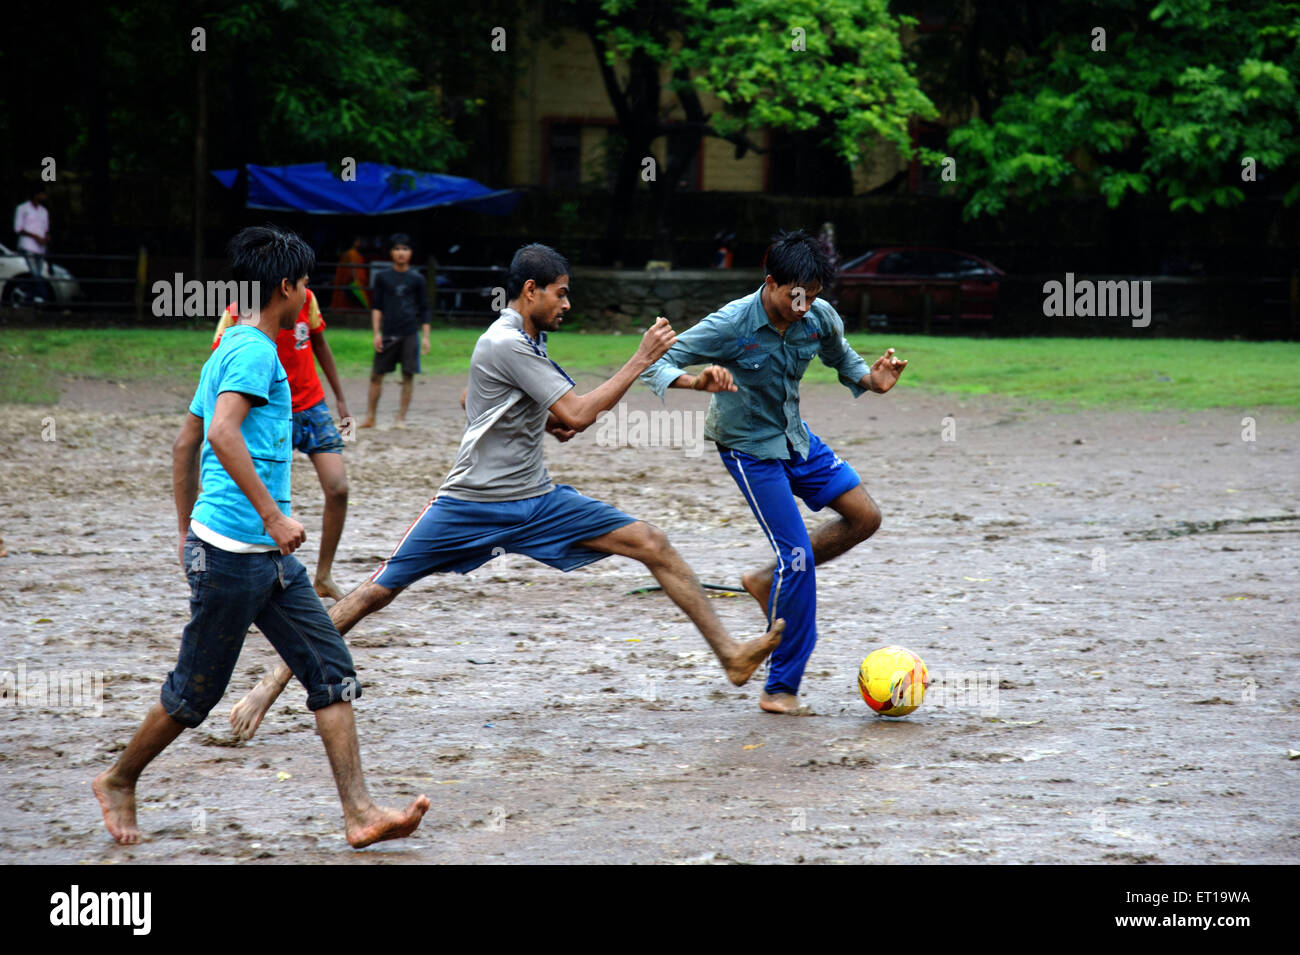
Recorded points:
(236,546)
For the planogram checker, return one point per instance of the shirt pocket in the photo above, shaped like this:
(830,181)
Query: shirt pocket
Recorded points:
(752,367)
(803,354)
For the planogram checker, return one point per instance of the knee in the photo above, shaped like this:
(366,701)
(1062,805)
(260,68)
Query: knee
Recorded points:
(374,597)
(653,544)
(336,491)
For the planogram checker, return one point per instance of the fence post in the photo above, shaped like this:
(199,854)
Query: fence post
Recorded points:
(1294,309)
(141,277)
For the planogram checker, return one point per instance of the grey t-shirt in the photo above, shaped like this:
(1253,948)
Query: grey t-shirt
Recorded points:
(512,385)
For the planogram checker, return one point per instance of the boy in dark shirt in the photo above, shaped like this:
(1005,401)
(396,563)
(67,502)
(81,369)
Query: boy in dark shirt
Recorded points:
(401,306)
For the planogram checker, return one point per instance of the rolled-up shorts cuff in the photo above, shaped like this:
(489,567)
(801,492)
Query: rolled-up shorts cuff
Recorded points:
(345,692)
(179,709)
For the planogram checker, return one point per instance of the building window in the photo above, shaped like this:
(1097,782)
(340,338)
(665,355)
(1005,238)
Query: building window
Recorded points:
(564,155)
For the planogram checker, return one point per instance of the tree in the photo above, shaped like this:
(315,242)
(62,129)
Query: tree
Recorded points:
(1191,101)
(834,66)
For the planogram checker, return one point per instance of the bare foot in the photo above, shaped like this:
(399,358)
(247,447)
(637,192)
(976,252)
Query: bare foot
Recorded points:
(246,715)
(786,704)
(325,587)
(3,552)
(118,804)
(377,825)
(399,424)
(748,655)
(368,423)
(758,584)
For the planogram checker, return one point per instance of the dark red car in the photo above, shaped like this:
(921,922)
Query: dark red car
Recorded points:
(889,287)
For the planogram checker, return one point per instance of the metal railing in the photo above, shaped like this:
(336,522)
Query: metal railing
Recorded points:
(122,285)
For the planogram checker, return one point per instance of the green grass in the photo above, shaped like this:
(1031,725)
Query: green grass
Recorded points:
(1083,372)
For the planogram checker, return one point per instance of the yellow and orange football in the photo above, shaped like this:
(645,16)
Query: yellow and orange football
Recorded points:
(892,681)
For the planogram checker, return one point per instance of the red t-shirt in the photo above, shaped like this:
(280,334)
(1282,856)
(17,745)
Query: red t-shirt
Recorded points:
(294,348)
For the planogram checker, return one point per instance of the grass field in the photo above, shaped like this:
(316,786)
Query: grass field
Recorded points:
(1081,372)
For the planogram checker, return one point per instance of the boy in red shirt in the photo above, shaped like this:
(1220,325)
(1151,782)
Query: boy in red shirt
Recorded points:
(314,433)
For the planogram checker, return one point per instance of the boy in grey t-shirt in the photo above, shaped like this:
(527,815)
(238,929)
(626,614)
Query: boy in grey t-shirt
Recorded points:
(499,497)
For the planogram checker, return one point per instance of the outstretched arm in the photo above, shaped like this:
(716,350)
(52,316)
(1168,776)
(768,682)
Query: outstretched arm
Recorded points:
(883,373)
(710,341)
(579,412)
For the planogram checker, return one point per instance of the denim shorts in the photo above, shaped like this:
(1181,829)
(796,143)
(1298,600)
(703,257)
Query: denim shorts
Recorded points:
(228,593)
(314,431)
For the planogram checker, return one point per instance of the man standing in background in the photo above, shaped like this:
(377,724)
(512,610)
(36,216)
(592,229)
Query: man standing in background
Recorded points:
(32,226)
(401,308)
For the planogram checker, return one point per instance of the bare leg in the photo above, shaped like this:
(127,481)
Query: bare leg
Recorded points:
(366,823)
(376,389)
(115,786)
(247,714)
(859,519)
(646,543)
(334,482)
(408,386)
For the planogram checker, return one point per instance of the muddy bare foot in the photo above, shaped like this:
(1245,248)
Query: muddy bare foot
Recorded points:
(246,715)
(118,804)
(325,587)
(378,825)
(368,423)
(787,704)
(748,655)
(758,584)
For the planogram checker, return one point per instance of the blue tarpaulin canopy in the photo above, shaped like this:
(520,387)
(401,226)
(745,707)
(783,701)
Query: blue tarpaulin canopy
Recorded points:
(377,190)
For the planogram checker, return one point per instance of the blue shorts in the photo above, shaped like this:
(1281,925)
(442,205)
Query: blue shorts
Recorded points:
(817,479)
(314,431)
(455,536)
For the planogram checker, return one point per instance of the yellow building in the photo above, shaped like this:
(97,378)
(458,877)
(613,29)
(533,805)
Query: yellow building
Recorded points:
(563,134)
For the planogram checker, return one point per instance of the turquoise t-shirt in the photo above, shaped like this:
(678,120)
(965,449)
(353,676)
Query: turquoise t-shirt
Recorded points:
(245,362)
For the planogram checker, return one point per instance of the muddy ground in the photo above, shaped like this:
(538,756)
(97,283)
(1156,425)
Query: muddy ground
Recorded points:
(1126,581)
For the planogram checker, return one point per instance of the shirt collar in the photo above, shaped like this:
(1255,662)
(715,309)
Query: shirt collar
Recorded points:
(757,316)
(515,320)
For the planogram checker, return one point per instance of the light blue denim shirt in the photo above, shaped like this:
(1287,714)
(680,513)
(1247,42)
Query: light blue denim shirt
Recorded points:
(762,415)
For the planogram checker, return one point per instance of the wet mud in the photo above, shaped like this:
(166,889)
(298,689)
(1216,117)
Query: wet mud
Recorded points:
(1107,604)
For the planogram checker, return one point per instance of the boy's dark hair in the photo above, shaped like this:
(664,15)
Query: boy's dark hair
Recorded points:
(399,238)
(265,254)
(797,258)
(538,262)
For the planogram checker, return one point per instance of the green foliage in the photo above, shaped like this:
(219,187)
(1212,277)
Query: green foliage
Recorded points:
(1179,98)
(850,80)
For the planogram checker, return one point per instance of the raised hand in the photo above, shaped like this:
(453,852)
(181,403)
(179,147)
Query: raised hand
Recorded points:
(885,371)
(713,379)
(656,341)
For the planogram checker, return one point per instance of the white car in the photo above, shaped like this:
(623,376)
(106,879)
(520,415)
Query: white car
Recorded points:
(18,287)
